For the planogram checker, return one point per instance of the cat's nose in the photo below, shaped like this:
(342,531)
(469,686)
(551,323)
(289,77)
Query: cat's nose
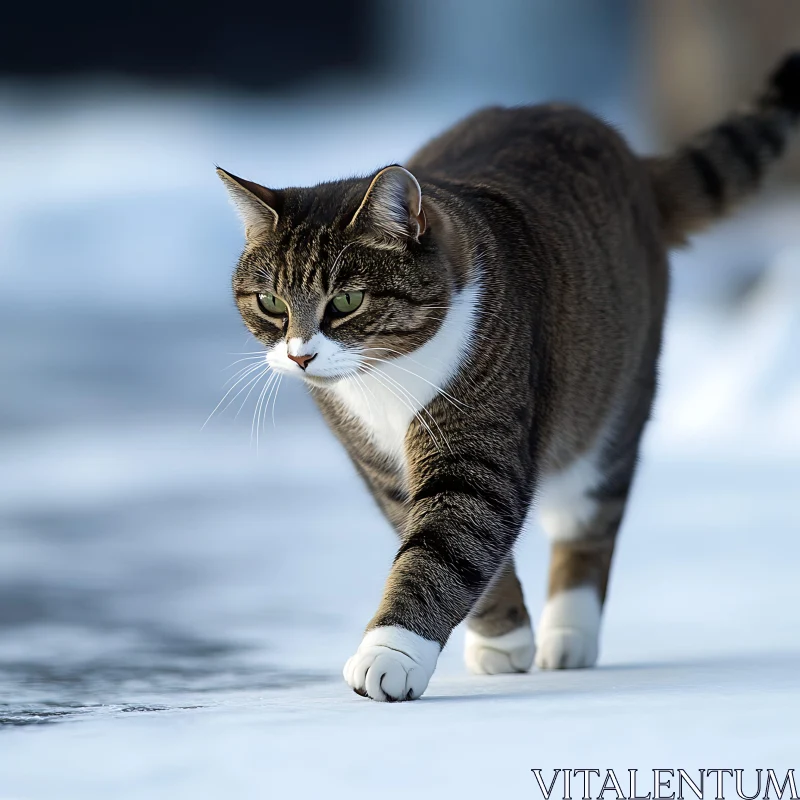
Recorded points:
(303,361)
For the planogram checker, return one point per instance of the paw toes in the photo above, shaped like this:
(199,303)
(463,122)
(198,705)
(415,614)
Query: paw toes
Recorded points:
(386,679)
(491,662)
(496,655)
(566,648)
(569,630)
(385,672)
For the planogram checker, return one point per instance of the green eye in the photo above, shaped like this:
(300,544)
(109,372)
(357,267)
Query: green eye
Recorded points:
(347,302)
(271,304)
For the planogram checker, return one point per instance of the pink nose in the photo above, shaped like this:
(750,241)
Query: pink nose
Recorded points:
(303,361)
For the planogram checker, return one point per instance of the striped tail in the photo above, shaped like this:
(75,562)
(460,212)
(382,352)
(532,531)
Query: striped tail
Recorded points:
(716,170)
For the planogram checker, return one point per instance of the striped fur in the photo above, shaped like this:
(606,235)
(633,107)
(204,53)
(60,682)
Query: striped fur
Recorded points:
(546,239)
(723,166)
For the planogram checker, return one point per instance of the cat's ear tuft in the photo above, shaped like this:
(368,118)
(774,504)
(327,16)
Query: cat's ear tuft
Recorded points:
(392,206)
(255,204)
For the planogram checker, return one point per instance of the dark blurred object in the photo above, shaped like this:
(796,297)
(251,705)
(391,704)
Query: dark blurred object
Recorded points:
(253,45)
(708,57)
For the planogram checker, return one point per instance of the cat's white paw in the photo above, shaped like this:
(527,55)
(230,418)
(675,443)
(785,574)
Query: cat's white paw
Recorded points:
(567,636)
(566,648)
(391,664)
(493,655)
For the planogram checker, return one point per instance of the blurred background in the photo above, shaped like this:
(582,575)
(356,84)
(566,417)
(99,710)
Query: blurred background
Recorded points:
(149,563)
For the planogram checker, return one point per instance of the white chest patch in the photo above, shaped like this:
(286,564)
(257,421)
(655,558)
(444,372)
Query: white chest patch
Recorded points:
(387,398)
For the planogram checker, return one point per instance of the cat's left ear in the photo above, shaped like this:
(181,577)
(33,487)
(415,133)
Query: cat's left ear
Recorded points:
(392,206)
(255,203)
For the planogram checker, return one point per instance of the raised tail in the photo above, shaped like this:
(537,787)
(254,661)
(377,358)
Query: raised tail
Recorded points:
(716,170)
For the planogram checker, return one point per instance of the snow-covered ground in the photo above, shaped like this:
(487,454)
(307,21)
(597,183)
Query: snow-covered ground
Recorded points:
(175,606)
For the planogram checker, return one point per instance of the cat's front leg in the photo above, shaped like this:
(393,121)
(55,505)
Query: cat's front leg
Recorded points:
(464,515)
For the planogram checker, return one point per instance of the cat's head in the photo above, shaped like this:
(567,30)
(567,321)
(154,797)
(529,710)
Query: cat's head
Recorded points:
(340,276)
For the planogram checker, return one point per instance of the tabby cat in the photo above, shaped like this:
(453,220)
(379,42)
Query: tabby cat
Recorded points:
(481,330)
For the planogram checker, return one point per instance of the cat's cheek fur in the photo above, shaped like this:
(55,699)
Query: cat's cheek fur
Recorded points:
(392,664)
(278,359)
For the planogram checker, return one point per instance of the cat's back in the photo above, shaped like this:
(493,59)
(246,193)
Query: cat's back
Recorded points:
(516,144)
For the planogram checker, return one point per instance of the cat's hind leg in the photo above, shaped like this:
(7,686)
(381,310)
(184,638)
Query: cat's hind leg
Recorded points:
(499,635)
(581,509)
(569,628)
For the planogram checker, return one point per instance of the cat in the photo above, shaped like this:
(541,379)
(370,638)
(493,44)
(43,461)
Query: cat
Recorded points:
(481,330)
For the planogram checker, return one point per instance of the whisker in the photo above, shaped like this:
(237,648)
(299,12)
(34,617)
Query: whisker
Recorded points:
(248,371)
(261,356)
(262,273)
(454,401)
(400,354)
(409,405)
(245,370)
(275,401)
(360,383)
(256,413)
(262,422)
(336,260)
(262,413)
(247,396)
(472,335)
(251,381)
(423,408)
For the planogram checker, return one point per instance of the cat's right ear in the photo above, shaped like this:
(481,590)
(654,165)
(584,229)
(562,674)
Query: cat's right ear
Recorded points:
(255,204)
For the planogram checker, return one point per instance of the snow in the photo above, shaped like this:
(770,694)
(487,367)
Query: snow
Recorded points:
(176,606)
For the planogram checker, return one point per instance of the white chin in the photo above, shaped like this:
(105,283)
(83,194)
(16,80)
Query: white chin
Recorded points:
(318,380)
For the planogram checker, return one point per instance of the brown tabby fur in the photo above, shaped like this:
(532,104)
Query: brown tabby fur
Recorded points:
(566,231)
